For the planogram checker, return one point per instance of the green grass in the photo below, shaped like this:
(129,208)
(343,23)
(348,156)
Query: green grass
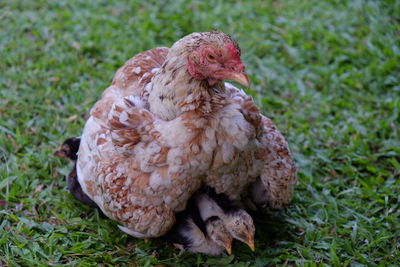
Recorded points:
(327,72)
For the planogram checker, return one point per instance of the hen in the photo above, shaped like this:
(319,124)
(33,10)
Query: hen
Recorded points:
(167,124)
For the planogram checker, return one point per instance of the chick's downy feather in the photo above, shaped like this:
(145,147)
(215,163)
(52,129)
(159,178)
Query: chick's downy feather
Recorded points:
(157,134)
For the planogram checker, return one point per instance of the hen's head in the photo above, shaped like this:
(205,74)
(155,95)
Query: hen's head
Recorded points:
(213,57)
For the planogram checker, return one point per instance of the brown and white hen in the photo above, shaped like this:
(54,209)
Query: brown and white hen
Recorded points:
(169,123)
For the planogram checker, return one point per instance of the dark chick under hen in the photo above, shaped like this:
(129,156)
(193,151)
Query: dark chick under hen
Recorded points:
(69,149)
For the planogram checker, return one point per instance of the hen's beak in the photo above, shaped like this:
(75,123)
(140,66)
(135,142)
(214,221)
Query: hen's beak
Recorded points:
(240,77)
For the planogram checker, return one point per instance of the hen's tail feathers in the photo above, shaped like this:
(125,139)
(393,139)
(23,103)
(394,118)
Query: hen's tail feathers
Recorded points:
(276,184)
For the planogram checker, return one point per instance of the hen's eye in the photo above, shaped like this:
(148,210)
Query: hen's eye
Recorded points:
(210,58)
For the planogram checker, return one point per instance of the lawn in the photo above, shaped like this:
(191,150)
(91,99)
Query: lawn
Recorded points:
(327,73)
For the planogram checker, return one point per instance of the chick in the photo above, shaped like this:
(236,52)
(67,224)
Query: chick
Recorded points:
(190,232)
(68,150)
(236,220)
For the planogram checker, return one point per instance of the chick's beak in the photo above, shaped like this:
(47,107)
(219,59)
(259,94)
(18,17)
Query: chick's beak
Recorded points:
(58,152)
(240,77)
(228,246)
(250,242)
(227,243)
